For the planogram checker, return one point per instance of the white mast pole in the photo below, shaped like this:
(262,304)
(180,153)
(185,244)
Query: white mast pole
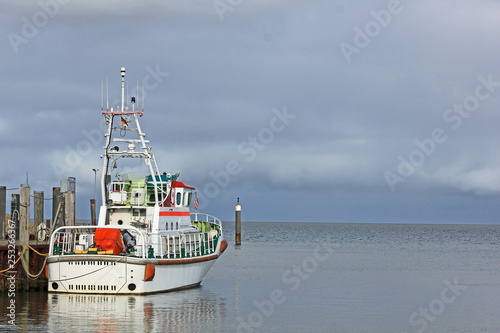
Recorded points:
(123,88)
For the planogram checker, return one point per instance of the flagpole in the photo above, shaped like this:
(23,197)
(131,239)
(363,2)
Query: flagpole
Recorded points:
(196,203)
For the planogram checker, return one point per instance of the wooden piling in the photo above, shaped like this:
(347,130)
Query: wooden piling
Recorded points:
(3,193)
(31,262)
(24,236)
(92,212)
(14,213)
(56,200)
(38,210)
(69,208)
(237,228)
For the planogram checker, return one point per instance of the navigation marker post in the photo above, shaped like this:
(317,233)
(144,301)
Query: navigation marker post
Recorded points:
(238,222)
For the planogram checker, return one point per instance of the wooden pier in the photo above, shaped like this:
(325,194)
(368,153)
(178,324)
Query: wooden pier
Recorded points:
(24,244)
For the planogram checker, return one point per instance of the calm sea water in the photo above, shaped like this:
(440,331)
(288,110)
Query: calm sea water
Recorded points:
(308,277)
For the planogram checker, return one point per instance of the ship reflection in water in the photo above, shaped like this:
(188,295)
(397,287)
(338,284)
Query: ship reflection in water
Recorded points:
(194,310)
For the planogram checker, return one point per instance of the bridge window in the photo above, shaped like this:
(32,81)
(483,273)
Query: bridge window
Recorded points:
(179,196)
(118,187)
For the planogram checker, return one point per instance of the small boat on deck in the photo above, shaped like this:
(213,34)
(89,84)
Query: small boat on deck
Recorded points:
(146,239)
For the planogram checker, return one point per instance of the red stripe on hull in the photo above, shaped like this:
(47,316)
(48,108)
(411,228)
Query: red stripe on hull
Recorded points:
(170,213)
(186,260)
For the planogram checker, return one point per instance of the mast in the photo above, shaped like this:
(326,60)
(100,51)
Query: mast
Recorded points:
(111,154)
(123,88)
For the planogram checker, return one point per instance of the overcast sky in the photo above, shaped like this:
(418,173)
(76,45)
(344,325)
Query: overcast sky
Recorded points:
(326,111)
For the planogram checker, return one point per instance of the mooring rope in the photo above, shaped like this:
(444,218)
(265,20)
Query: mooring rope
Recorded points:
(27,267)
(20,255)
(42,254)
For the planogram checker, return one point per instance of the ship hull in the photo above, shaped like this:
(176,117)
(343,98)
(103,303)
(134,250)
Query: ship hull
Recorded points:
(98,274)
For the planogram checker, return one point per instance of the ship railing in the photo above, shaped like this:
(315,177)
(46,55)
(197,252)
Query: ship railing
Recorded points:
(202,217)
(66,239)
(186,245)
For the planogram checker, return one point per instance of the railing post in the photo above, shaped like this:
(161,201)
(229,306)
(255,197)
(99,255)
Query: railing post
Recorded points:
(205,242)
(168,246)
(199,242)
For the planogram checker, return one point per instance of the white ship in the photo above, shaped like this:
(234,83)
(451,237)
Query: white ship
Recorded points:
(147,239)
